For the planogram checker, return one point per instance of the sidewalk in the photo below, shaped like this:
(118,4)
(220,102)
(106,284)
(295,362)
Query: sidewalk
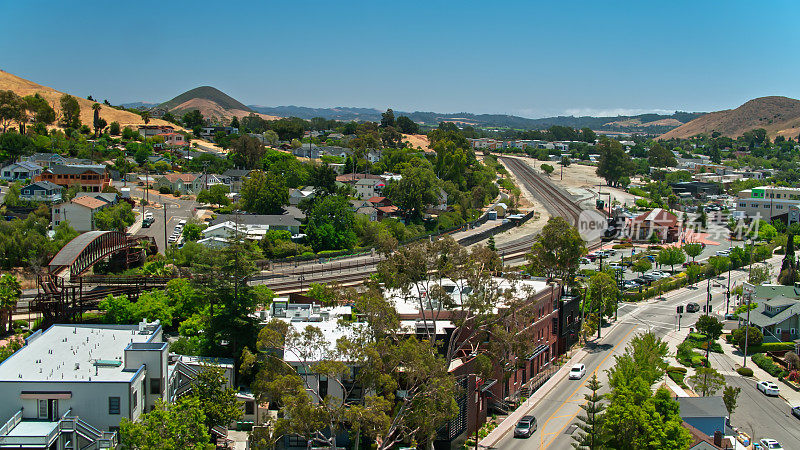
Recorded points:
(787,393)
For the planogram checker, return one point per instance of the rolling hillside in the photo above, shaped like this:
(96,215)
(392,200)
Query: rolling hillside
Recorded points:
(25,87)
(646,123)
(211,102)
(777,115)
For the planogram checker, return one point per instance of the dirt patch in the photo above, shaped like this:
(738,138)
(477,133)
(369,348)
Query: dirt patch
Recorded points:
(580,176)
(26,278)
(417,140)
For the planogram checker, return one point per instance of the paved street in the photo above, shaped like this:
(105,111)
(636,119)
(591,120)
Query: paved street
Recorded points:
(177,210)
(556,412)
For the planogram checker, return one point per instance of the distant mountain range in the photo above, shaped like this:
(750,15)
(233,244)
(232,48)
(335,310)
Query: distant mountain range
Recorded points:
(777,115)
(648,123)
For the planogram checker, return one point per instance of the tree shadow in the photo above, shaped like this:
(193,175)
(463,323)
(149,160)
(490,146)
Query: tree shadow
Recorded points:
(593,347)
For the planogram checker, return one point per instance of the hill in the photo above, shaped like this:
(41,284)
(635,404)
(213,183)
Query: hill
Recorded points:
(644,123)
(211,102)
(25,87)
(777,115)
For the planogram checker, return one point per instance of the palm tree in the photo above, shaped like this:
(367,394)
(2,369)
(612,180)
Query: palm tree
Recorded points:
(96,122)
(10,291)
(146,117)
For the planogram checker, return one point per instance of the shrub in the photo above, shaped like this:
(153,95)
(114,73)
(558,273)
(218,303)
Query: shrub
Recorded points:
(754,336)
(770,347)
(164,190)
(619,246)
(677,377)
(697,337)
(765,362)
(676,369)
(745,371)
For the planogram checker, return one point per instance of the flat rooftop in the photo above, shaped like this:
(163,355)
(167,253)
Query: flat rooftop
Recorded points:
(69,353)
(33,428)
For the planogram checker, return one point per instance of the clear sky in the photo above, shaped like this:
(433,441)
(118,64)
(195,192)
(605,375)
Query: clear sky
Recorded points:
(529,58)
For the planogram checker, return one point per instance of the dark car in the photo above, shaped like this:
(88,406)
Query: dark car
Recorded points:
(642,281)
(692,307)
(525,427)
(147,222)
(796,411)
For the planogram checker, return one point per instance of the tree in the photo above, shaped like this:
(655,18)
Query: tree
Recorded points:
(264,193)
(730,395)
(548,169)
(216,398)
(590,423)
(96,119)
(235,122)
(322,293)
(407,126)
(70,112)
(693,272)
(706,381)
(247,152)
(642,265)
(113,128)
(10,291)
(587,135)
(603,294)
(710,326)
(193,119)
(788,274)
(670,256)
(12,108)
(170,426)
(759,274)
(43,113)
(490,244)
(271,137)
(693,250)
(719,263)
(192,232)
(387,119)
(414,191)
(614,163)
(754,336)
(118,217)
(217,194)
(659,156)
(557,251)
(330,224)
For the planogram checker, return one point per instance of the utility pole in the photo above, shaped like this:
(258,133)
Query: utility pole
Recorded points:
(747,326)
(165,226)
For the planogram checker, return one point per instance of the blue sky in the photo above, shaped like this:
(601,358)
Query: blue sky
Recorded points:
(529,58)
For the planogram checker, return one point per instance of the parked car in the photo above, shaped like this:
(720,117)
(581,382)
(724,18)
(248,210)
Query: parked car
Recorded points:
(147,222)
(796,411)
(591,256)
(690,263)
(577,372)
(768,388)
(617,266)
(630,284)
(525,427)
(584,261)
(770,444)
(723,252)
(642,281)
(731,316)
(692,307)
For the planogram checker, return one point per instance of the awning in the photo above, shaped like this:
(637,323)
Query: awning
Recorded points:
(538,351)
(46,395)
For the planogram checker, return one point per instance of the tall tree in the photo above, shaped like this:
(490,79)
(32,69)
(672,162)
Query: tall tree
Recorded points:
(330,224)
(42,111)
(407,126)
(706,381)
(603,294)
(387,118)
(590,423)
(614,162)
(788,274)
(414,191)
(70,112)
(659,156)
(10,291)
(730,395)
(12,108)
(170,426)
(693,250)
(670,256)
(557,251)
(264,193)
(216,398)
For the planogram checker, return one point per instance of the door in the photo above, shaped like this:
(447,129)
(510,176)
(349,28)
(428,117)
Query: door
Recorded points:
(52,410)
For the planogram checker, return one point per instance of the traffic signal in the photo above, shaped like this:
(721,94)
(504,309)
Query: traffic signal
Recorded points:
(680,309)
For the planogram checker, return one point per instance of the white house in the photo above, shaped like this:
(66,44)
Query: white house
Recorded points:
(20,171)
(79,212)
(369,187)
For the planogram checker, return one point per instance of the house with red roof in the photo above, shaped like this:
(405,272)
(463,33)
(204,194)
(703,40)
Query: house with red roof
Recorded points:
(659,222)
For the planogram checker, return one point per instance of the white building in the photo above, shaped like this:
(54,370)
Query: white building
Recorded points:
(20,171)
(768,202)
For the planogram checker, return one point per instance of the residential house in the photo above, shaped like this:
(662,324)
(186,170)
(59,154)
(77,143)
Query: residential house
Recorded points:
(385,212)
(70,386)
(174,140)
(298,195)
(379,201)
(210,132)
(285,221)
(707,414)
(234,178)
(230,229)
(148,131)
(46,160)
(184,183)
(91,178)
(79,212)
(778,318)
(369,187)
(41,191)
(20,171)
(659,222)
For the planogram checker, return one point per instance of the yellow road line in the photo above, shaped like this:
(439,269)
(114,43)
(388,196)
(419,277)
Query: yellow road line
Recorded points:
(586,378)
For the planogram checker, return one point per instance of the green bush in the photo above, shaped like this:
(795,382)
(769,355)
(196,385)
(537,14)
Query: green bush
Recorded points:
(745,371)
(697,337)
(620,246)
(677,377)
(767,364)
(770,347)
(676,369)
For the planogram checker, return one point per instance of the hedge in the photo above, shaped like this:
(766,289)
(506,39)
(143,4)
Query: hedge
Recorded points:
(745,371)
(676,369)
(677,377)
(770,347)
(768,365)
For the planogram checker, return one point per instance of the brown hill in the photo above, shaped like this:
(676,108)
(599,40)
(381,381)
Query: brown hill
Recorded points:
(211,102)
(24,87)
(777,115)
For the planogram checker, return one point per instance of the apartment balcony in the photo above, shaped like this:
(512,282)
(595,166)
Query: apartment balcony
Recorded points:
(19,432)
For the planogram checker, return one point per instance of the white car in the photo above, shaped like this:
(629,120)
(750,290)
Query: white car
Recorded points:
(723,253)
(577,372)
(616,266)
(768,388)
(770,444)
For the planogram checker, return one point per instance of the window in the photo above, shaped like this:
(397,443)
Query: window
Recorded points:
(793,331)
(323,386)
(155,386)
(113,405)
(43,409)
(778,331)
(135,397)
(779,207)
(249,408)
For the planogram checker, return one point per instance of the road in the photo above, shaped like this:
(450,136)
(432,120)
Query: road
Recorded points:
(177,210)
(557,411)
